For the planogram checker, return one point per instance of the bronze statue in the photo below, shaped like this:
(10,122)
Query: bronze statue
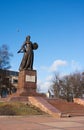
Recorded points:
(28,57)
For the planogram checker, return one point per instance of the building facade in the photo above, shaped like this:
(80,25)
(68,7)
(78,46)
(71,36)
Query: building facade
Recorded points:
(8,82)
(8,78)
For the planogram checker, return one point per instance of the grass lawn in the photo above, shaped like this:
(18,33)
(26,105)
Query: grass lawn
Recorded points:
(17,108)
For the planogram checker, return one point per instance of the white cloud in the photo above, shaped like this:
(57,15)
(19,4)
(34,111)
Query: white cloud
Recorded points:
(49,78)
(48,75)
(43,86)
(56,64)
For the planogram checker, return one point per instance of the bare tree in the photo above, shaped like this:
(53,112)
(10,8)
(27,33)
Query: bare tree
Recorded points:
(78,86)
(5,57)
(4,65)
(56,85)
(69,86)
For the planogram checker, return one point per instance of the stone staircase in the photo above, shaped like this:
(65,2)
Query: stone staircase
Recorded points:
(79,101)
(19,99)
(54,107)
(43,105)
(67,108)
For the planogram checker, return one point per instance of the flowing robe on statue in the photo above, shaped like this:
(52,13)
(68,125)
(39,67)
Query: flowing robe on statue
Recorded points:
(28,57)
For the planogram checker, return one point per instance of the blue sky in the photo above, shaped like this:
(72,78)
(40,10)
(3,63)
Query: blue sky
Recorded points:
(56,25)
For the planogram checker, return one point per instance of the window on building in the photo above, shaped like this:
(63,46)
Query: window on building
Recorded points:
(15,81)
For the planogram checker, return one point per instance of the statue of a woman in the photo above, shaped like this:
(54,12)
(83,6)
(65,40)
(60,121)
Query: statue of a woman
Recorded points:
(28,57)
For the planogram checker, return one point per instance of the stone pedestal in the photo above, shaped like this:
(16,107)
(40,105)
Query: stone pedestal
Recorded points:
(27,82)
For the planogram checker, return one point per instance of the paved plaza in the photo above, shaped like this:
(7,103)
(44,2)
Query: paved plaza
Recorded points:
(41,122)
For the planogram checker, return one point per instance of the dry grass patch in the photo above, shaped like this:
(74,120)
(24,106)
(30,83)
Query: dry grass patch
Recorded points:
(17,108)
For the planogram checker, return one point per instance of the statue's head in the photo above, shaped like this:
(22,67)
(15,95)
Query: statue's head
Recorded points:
(28,38)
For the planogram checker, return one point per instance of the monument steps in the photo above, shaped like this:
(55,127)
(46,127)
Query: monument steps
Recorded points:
(54,107)
(43,104)
(19,99)
(67,108)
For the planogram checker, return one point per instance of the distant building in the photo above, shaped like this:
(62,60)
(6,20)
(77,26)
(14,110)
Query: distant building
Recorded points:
(50,94)
(8,76)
